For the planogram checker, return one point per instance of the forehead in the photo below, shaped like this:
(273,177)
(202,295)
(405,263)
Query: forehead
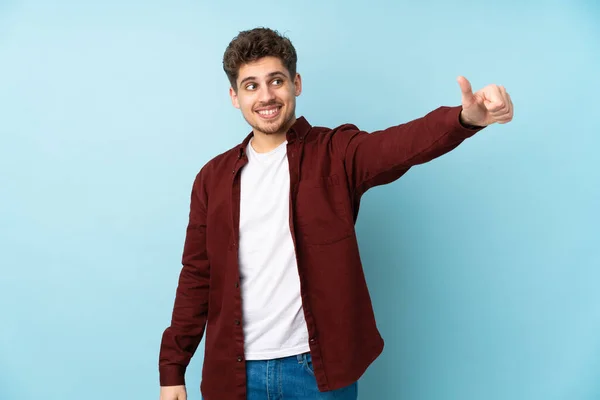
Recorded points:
(261,68)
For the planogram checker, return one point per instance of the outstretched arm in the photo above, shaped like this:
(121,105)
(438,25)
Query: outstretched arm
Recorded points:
(383,156)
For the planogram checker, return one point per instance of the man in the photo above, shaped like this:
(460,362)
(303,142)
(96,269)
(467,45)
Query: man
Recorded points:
(271,265)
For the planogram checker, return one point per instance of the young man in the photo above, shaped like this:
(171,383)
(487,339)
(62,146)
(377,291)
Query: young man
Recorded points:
(271,265)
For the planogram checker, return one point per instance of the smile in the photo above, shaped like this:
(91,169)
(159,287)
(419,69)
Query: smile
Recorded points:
(269,113)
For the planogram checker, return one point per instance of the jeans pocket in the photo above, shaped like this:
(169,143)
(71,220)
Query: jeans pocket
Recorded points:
(307,363)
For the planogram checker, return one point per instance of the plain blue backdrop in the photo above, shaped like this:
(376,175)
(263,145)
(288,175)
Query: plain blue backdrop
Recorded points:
(483,265)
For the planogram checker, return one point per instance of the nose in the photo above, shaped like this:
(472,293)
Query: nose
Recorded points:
(266,94)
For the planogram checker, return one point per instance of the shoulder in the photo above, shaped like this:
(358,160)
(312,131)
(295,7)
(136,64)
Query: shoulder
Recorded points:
(223,162)
(335,139)
(320,131)
(217,167)
(338,135)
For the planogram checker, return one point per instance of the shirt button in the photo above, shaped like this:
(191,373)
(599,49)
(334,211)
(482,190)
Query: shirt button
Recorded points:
(239,358)
(237,285)
(237,322)
(312,341)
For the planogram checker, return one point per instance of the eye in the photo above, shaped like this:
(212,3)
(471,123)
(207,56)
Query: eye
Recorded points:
(278,81)
(251,86)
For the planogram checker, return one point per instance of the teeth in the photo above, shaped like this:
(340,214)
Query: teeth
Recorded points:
(268,112)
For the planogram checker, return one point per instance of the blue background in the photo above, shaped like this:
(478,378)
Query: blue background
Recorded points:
(483,264)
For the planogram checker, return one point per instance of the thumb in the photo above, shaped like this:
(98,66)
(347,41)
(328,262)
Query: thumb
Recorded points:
(467,92)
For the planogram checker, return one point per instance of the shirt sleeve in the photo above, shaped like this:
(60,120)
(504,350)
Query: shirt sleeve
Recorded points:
(181,339)
(383,156)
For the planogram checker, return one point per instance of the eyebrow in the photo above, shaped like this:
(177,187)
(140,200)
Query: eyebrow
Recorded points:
(270,75)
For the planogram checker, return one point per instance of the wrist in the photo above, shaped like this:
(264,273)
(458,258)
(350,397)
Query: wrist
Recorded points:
(466,123)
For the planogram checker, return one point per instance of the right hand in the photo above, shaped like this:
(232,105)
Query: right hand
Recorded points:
(173,393)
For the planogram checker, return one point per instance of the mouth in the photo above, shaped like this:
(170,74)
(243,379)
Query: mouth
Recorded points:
(268,113)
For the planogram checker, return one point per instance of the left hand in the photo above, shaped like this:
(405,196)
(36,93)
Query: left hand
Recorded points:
(486,106)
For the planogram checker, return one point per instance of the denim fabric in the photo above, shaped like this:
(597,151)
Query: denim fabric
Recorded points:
(289,378)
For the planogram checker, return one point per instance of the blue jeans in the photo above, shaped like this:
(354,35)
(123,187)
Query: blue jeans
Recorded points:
(289,378)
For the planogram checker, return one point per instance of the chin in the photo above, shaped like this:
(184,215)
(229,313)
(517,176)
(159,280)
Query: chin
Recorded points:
(270,127)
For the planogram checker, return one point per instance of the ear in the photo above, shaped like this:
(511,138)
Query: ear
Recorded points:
(298,84)
(234,98)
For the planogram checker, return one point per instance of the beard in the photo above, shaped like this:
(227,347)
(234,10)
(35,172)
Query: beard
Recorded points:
(279,125)
(270,128)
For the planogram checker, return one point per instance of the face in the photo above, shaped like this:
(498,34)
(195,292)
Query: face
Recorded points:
(266,95)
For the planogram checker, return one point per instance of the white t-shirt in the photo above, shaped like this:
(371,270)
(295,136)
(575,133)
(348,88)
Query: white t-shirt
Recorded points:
(274,324)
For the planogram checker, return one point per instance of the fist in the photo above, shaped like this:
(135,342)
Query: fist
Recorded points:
(489,105)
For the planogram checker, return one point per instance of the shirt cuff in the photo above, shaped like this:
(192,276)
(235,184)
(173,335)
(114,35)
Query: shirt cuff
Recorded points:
(172,375)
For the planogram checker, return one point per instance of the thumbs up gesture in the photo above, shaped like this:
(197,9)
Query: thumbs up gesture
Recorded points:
(486,106)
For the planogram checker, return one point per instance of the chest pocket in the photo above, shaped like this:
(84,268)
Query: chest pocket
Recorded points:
(323,210)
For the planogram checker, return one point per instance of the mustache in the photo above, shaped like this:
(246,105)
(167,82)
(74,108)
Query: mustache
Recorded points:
(268,104)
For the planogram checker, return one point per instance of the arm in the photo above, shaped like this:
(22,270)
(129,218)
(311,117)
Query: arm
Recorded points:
(181,339)
(383,156)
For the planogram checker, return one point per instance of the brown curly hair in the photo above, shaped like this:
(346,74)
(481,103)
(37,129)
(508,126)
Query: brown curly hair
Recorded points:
(254,44)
